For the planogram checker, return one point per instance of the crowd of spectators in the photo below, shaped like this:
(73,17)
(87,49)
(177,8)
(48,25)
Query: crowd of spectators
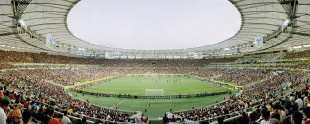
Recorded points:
(65,77)
(240,77)
(297,55)
(54,96)
(32,95)
(267,99)
(6,66)
(27,57)
(32,83)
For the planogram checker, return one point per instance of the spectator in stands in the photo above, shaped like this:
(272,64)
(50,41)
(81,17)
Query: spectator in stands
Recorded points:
(299,101)
(33,110)
(307,113)
(1,93)
(288,108)
(276,117)
(17,105)
(4,106)
(253,118)
(294,104)
(39,115)
(220,120)
(12,95)
(244,119)
(26,117)
(165,119)
(65,119)
(296,118)
(56,120)
(26,104)
(14,117)
(49,115)
(266,116)
(84,120)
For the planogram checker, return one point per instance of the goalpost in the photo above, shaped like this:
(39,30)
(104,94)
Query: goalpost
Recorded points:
(154,92)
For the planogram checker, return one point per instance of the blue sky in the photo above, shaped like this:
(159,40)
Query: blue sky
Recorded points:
(154,24)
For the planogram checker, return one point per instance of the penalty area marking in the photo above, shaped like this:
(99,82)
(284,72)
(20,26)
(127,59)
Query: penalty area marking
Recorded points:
(118,104)
(194,90)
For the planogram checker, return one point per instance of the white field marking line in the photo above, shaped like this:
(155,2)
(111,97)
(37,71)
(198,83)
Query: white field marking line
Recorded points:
(143,90)
(134,92)
(118,104)
(193,90)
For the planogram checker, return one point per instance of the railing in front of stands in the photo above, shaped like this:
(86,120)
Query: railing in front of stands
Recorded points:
(154,97)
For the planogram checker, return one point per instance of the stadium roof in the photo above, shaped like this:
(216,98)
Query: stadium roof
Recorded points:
(24,25)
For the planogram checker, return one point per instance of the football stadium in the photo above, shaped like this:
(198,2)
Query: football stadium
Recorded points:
(155,61)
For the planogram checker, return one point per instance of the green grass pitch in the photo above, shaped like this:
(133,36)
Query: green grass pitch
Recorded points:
(158,107)
(170,86)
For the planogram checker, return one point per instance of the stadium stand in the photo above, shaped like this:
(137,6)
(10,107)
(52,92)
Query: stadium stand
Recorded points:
(29,83)
(302,54)
(261,57)
(273,78)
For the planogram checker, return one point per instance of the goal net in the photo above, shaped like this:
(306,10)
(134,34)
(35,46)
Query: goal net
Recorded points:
(154,92)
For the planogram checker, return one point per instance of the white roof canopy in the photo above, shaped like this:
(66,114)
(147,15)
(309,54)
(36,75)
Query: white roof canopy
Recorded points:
(263,17)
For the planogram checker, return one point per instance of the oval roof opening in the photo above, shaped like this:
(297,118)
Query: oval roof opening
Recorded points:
(154,24)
